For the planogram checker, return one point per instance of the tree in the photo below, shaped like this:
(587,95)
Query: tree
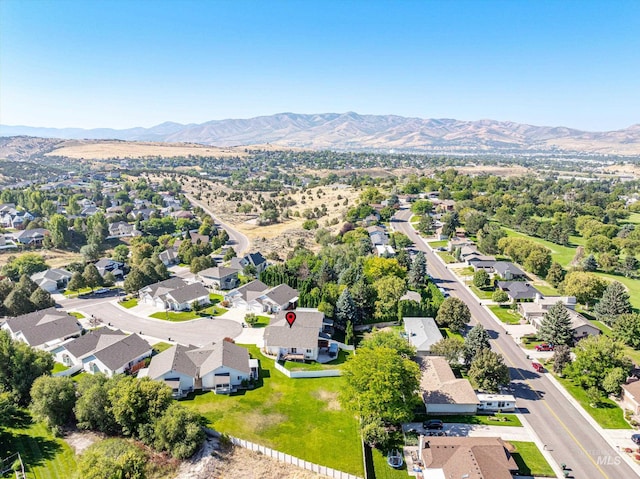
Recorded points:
(590,264)
(454,314)
(134,281)
(112,459)
(391,340)
(345,309)
(201,263)
(488,371)
(52,400)
(7,410)
(179,431)
(97,228)
(231,253)
(418,272)
(380,383)
(348,333)
(91,276)
(120,253)
(18,303)
(477,339)
(93,409)
(389,290)
(451,348)
(422,207)
(586,287)
(629,265)
(613,380)
(614,302)
(90,252)
(500,296)
(58,227)
(555,327)
(27,263)
(42,299)
(595,357)
(374,433)
(626,328)
(561,358)
(425,225)
(480,278)
(76,282)
(450,222)
(555,276)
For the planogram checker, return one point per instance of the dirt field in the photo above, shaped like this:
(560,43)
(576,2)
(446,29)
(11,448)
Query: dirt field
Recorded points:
(53,257)
(101,150)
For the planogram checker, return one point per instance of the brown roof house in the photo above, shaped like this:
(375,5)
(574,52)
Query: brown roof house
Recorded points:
(221,367)
(43,329)
(535,311)
(466,457)
(105,351)
(441,391)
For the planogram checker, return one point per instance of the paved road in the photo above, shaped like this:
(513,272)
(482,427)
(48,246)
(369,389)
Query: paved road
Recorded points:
(569,437)
(239,241)
(198,332)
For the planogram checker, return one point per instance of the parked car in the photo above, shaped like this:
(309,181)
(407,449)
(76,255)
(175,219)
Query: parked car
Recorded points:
(636,438)
(432,424)
(544,347)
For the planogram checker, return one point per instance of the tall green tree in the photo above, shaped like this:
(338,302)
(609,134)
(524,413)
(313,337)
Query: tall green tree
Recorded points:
(450,348)
(42,299)
(477,339)
(561,358)
(555,276)
(58,227)
(112,459)
(586,287)
(388,339)
(18,303)
(626,328)
(179,431)
(389,290)
(345,310)
(480,278)
(418,272)
(488,371)
(52,400)
(555,327)
(614,302)
(454,314)
(91,276)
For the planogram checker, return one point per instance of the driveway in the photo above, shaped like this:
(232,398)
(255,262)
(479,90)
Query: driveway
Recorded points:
(508,433)
(198,332)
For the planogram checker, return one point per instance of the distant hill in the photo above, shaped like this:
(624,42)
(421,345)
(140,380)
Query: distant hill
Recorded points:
(351,131)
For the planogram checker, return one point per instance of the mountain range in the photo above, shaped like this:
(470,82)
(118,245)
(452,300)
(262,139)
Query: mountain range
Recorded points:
(351,131)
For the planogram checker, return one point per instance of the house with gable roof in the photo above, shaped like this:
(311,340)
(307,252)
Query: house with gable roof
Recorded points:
(441,391)
(43,329)
(299,342)
(174,294)
(279,298)
(220,277)
(242,297)
(52,279)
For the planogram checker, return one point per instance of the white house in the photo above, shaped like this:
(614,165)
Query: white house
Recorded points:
(43,329)
(175,294)
(241,297)
(299,342)
(441,391)
(220,277)
(222,368)
(422,333)
(256,260)
(52,279)
(535,311)
(496,402)
(104,351)
(279,298)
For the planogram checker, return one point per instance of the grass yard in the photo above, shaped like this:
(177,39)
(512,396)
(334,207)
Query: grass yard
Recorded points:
(447,333)
(530,460)
(383,470)
(335,364)
(44,456)
(546,290)
(178,316)
(75,292)
(506,314)
(262,322)
(58,368)
(438,244)
(129,303)
(487,420)
(76,314)
(301,417)
(159,347)
(608,414)
(446,257)
(215,298)
(480,293)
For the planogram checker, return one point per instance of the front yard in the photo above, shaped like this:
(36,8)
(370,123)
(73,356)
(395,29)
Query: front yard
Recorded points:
(129,303)
(486,420)
(301,417)
(481,293)
(446,257)
(506,314)
(177,316)
(530,460)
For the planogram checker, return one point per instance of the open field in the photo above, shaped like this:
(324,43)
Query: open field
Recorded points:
(282,411)
(53,257)
(530,460)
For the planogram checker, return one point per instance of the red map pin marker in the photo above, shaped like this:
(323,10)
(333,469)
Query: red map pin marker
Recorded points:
(290,317)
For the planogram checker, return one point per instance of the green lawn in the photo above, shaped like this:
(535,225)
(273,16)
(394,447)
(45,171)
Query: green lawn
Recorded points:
(506,314)
(215,298)
(446,257)
(415,219)
(44,456)
(438,244)
(447,333)
(76,314)
(335,364)
(634,354)
(58,368)
(262,322)
(383,470)
(530,460)
(129,303)
(608,414)
(487,420)
(546,290)
(159,347)
(481,293)
(301,417)
(177,316)
(75,292)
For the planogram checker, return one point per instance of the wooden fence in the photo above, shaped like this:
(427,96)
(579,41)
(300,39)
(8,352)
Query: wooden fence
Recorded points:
(288,459)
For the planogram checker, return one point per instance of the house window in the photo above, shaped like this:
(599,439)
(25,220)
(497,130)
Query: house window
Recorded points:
(294,350)
(239,378)
(309,351)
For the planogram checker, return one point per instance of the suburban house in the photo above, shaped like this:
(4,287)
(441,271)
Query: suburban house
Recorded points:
(631,396)
(256,260)
(534,313)
(508,271)
(299,342)
(219,277)
(422,333)
(34,237)
(169,256)
(105,351)
(108,265)
(466,457)
(7,241)
(197,238)
(52,279)
(276,299)
(518,290)
(496,402)
(174,294)
(441,391)
(43,329)
(222,368)
(121,229)
(242,296)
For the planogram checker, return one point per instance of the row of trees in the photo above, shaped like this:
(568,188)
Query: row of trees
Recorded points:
(22,297)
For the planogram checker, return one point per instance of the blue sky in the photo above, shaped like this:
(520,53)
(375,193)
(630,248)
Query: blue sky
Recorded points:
(139,63)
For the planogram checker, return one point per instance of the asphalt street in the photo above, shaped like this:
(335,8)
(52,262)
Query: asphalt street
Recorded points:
(567,435)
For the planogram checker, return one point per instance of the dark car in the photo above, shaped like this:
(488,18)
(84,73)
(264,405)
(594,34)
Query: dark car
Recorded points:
(636,438)
(544,347)
(433,424)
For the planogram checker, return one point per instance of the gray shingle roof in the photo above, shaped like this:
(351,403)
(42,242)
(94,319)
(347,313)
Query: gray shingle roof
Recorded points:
(423,332)
(518,289)
(218,272)
(121,352)
(226,354)
(54,274)
(305,318)
(286,337)
(163,287)
(45,325)
(188,293)
(282,294)
(92,340)
(255,286)
(502,267)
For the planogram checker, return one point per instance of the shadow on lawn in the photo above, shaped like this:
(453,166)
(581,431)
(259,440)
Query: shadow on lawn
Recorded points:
(34,449)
